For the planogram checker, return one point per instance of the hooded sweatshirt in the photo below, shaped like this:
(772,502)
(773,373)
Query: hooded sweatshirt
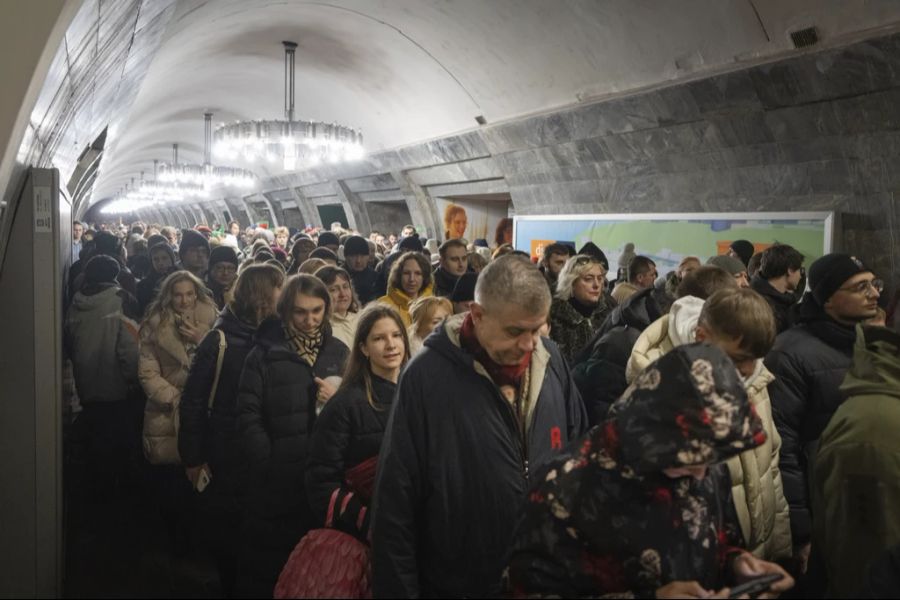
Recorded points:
(103,343)
(856,481)
(669,331)
(605,519)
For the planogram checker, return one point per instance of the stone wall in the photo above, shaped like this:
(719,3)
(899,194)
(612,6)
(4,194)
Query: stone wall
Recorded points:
(819,131)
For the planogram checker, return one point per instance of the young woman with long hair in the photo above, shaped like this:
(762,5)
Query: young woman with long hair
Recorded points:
(347,436)
(284,377)
(207,437)
(410,278)
(425,314)
(170,334)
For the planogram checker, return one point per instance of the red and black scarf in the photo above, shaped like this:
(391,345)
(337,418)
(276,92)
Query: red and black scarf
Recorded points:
(500,374)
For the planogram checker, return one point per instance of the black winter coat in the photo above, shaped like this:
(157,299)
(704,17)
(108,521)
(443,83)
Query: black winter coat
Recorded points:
(347,432)
(444,282)
(809,362)
(211,436)
(781,303)
(364,284)
(276,412)
(455,467)
(599,370)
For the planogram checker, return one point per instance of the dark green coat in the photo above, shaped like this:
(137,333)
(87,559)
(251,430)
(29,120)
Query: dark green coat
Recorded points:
(856,481)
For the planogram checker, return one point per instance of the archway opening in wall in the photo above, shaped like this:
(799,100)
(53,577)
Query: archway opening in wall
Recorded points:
(388,217)
(483,213)
(334,213)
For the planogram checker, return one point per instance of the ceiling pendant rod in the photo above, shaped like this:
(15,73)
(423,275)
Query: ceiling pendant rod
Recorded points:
(207,139)
(174,155)
(289,49)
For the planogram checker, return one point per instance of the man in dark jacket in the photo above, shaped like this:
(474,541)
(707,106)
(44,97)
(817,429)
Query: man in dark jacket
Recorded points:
(809,362)
(485,405)
(780,272)
(356,260)
(452,266)
(599,370)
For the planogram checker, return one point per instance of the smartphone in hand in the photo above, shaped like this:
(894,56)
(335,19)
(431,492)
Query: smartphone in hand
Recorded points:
(203,480)
(756,586)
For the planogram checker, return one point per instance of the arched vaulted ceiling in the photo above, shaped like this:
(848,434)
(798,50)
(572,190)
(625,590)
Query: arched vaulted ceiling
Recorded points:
(405,71)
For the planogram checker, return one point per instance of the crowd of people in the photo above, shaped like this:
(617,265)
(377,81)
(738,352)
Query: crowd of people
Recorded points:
(485,424)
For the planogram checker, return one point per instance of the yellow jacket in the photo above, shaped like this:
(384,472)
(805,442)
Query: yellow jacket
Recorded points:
(399,300)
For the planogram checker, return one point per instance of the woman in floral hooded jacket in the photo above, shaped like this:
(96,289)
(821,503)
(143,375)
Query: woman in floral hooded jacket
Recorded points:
(641,504)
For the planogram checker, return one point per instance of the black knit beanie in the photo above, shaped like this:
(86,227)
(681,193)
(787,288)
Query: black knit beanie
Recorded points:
(743,249)
(222,254)
(191,239)
(411,243)
(101,269)
(326,238)
(356,246)
(830,272)
(591,249)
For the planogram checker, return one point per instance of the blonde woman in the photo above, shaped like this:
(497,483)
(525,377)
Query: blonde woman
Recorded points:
(411,278)
(425,314)
(580,305)
(175,325)
(173,329)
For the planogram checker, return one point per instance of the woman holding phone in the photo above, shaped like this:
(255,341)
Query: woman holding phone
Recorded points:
(175,325)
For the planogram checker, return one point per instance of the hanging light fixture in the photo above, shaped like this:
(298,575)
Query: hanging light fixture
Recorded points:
(206,175)
(170,190)
(291,141)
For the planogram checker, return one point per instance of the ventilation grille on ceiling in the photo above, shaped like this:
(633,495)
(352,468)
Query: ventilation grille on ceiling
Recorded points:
(804,38)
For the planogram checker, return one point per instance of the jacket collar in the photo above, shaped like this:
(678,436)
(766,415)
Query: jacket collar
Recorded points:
(445,339)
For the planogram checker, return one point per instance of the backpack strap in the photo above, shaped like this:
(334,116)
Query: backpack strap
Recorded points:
(222,346)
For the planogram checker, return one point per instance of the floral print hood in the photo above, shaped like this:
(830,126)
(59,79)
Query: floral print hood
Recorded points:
(687,408)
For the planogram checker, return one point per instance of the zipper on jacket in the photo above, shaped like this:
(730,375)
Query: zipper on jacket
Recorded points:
(520,435)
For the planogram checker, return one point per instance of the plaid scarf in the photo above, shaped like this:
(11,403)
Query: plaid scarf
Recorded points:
(306,345)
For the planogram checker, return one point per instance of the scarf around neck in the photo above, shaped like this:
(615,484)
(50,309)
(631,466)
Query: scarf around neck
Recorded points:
(306,345)
(500,374)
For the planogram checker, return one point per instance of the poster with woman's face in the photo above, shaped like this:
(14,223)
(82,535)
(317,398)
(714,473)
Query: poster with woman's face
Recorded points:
(471,219)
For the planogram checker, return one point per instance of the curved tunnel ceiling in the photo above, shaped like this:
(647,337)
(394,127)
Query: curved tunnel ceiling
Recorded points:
(409,70)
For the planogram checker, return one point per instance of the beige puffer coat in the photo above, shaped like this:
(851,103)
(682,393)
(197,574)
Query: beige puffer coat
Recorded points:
(163,369)
(756,481)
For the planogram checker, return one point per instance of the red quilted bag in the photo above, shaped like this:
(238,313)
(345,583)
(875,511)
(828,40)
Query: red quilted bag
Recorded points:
(328,563)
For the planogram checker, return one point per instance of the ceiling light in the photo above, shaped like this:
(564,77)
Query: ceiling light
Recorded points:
(293,142)
(206,175)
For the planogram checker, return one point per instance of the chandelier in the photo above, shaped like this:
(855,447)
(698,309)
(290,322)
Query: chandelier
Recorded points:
(291,141)
(206,175)
(148,194)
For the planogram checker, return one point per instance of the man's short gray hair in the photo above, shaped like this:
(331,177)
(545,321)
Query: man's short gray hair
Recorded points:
(512,279)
